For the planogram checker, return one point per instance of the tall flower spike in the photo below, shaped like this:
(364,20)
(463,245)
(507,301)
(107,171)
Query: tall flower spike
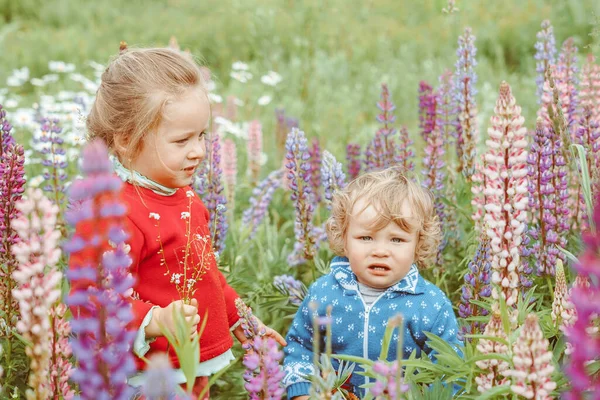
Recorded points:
(479,199)
(404,153)
(100,280)
(589,92)
(293,288)
(38,282)
(567,80)
(229,168)
(386,384)
(264,374)
(6,137)
(298,174)
(315,168)
(466,78)
(255,148)
(532,362)
(427,109)
(446,118)
(54,158)
(493,369)
(353,160)
(332,176)
(506,184)
(545,55)
(381,151)
(60,361)
(260,200)
(563,312)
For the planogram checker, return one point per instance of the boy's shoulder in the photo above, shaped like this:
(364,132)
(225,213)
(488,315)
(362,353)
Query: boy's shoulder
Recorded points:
(430,290)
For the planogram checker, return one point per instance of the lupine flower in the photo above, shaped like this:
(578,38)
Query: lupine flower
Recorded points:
(479,199)
(248,321)
(100,281)
(315,168)
(283,126)
(255,147)
(547,177)
(38,282)
(583,335)
(567,81)
(229,168)
(261,197)
(404,153)
(589,89)
(465,98)
(159,380)
(447,114)
(6,138)
(385,386)
(532,362)
(427,109)
(374,154)
(53,158)
(299,178)
(588,135)
(493,369)
(210,188)
(563,312)
(332,176)
(545,55)
(231,105)
(12,183)
(506,184)
(263,373)
(381,151)
(293,288)
(353,160)
(60,364)
(476,287)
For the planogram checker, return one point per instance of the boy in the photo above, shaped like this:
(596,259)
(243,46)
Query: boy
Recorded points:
(382,226)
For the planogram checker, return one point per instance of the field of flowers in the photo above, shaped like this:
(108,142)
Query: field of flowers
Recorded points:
(500,120)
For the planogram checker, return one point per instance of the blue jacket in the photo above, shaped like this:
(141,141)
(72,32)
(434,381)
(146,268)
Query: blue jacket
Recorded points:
(358,329)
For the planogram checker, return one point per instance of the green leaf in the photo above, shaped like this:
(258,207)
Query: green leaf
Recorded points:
(494,393)
(585,183)
(569,255)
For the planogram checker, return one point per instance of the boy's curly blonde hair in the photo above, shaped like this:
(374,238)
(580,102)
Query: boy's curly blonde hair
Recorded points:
(386,191)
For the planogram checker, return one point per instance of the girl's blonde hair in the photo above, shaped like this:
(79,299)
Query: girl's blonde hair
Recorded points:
(134,90)
(386,191)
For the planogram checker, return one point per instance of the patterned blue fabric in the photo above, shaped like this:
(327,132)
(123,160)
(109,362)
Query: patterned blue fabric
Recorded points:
(358,329)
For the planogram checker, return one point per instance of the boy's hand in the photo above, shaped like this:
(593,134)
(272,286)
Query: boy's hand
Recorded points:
(238,332)
(164,317)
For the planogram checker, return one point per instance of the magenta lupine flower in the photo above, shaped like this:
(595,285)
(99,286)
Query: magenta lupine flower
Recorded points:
(545,169)
(332,176)
(12,183)
(264,374)
(293,288)
(298,168)
(210,188)
(353,160)
(583,335)
(404,152)
(466,78)
(506,184)
(493,369)
(532,360)
(60,364)
(476,287)
(255,148)
(381,152)
(159,380)
(229,168)
(315,168)
(545,55)
(100,281)
(427,109)
(38,281)
(374,154)
(386,386)
(589,89)
(6,137)
(563,312)
(261,197)
(54,158)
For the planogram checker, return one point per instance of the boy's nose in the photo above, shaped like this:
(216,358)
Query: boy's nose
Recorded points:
(380,251)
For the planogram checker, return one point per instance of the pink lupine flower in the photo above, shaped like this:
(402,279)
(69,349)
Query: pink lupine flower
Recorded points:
(60,364)
(229,168)
(563,312)
(589,89)
(404,154)
(493,369)
(255,147)
(532,363)
(506,186)
(38,281)
(231,108)
(478,202)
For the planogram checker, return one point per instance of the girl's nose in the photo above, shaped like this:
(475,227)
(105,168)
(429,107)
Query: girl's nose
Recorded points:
(380,251)
(198,151)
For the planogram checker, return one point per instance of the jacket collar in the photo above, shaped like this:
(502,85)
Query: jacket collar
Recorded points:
(341,271)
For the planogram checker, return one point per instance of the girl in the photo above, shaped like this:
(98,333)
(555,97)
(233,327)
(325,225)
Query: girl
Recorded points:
(152,111)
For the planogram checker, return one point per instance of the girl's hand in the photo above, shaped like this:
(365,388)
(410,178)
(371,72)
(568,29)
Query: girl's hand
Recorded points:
(164,317)
(238,332)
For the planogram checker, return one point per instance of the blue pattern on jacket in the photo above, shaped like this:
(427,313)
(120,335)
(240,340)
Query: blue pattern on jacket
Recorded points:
(358,329)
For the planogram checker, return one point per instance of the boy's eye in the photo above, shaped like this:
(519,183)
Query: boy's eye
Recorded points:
(397,240)
(365,238)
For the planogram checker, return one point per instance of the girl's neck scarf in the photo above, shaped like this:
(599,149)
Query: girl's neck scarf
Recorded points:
(135,178)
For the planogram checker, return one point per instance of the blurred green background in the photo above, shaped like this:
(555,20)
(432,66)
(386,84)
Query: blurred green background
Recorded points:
(332,54)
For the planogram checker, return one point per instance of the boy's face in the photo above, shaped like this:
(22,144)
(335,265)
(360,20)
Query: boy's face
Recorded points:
(381,258)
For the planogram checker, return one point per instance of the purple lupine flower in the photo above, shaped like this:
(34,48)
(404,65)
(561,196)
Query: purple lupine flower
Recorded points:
(261,197)
(386,381)
(248,321)
(100,281)
(567,80)
(381,152)
(447,113)
(6,137)
(476,287)
(404,152)
(293,288)
(588,135)
(543,240)
(466,78)
(12,183)
(315,168)
(583,334)
(264,374)
(427,109)
(159,379)
(353,160)
(374,154)
(332,176)
(210,188)
(299,177)
(545,55)
(54,158)
(506,183)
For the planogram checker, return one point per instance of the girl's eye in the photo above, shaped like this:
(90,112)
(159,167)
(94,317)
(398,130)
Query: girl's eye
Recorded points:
(182,141)
(397,240)
(365,238)
(202,135)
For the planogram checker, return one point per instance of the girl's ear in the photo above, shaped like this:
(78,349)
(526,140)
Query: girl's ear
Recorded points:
(121,143)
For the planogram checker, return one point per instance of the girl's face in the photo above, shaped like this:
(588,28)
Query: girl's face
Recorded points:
(171,155)
(378,258)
